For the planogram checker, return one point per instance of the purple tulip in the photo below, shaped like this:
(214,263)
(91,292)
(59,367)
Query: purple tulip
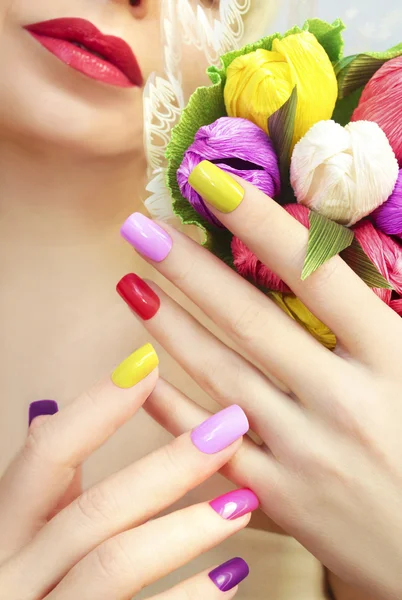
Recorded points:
(236,146)
(388,217)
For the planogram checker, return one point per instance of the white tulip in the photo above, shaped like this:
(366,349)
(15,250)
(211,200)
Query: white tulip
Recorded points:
(344,173)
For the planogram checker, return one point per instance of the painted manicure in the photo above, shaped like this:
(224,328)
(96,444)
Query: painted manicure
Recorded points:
(139,296)
(230,574)
(220,430)
(40,408)
(147,237)
(216,186)
(235,504)
(136,367)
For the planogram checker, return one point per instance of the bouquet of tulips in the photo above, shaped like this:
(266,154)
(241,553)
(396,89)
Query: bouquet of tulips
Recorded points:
(319,133)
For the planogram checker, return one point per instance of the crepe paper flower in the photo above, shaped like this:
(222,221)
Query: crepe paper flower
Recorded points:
(388,218)
(236,146)
(260,82)
(295,308)
(381,101)
(396,305)
(343,173)
(386,255)
(250,267)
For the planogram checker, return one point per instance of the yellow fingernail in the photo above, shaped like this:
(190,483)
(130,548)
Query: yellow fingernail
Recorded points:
(136,367)
(216,186)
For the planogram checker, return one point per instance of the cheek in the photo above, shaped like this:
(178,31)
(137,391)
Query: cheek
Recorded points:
(25,11)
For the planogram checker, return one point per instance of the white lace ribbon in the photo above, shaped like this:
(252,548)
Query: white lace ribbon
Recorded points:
(182,22)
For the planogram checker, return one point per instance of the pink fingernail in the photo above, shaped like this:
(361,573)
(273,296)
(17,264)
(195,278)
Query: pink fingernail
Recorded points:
(147,237)
(220,430)
(235,504)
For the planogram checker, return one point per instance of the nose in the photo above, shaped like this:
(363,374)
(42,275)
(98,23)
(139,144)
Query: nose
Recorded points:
(137,4)
(138,7)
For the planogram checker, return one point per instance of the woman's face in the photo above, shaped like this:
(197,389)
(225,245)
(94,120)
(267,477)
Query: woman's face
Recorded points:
(65,94)
(58,94)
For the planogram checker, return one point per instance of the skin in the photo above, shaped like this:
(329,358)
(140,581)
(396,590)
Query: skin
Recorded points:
(60,252)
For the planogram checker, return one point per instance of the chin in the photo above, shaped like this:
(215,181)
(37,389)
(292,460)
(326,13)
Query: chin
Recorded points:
(48,104)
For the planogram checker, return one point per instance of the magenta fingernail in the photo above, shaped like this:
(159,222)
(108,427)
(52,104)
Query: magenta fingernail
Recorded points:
(220,430)
(230,574)
(147,237)
(235,504)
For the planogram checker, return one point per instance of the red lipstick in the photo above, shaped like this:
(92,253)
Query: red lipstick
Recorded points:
(83,47)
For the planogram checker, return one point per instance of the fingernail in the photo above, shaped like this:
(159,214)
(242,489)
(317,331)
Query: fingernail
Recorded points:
(235,504)
(40,408)
(216,186)
(136,367)
(220,430)
(139,296)
(147,237)
(230,574)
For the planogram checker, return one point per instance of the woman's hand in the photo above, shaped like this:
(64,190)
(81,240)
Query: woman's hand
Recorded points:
(329,470)
(104,543)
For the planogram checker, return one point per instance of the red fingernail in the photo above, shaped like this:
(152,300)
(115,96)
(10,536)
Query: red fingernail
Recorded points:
(139,296)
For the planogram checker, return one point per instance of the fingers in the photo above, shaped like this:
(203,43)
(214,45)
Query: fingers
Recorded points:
(334,293)
(220,371)
(250,467)
(124,565)
(219,584)
(73,491)
(46,467)
(39,412)
(255,323)
(129,498)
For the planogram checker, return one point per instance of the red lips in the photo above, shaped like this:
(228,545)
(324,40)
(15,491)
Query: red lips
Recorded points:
(82,46)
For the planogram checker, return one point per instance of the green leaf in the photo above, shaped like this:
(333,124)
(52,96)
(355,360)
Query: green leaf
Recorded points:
(354,72)
(281,127)
(358,260)
(329,36)
(326,239)
(344,108)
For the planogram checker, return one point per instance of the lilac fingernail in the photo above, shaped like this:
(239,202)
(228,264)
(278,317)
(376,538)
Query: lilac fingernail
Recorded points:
(147,237)
(235,504)
(40,408)
(230,574)
(220,430)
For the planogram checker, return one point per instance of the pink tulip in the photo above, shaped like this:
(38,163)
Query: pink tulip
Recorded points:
(381,101)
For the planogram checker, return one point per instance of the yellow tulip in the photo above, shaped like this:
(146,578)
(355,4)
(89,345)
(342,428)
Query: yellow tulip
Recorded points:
(300,313)
(260,82)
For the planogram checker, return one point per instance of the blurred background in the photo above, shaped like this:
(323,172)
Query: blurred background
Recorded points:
(370,25)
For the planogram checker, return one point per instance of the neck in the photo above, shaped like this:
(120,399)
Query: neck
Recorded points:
(54,198)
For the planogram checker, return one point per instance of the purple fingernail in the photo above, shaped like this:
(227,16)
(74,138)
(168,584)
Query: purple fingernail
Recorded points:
(235,504)
(230,574)
(40,408)
(147,237)
(220,430)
